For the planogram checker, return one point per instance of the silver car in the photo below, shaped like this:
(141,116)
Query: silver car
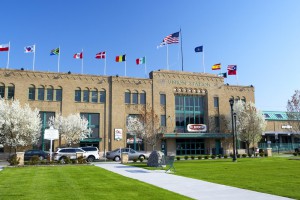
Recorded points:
(132,154)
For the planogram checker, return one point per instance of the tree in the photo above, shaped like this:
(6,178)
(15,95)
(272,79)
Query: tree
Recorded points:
(19,126)
(250,123)
(72,128)
(146,126)
(293,112)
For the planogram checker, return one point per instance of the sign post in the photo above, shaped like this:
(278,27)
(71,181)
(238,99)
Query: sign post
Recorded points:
(51,134)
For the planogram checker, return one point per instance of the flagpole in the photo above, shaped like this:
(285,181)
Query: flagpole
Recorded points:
(125,66)
(34,48)
(181,50)
(236,76)
(81,61)
(145,68)
(167,56)
(105,65)
(7,64)
(203,61)
(58,58)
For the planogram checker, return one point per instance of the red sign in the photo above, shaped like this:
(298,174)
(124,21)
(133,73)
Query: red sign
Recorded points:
(196,127)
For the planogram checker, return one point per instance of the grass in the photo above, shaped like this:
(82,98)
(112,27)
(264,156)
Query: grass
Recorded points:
(74,182)
(278,176)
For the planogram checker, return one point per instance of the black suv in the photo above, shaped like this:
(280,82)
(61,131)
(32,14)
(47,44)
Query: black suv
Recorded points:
(41,154)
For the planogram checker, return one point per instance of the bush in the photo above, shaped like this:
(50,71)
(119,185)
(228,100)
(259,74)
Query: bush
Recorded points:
(238,155)
(199,157)
(225,156)
(261,154)
(141,159)
(244,155)
(266,155)
(34,160)
(178,158)
(260,151)
(134,160)
(186,157)
(13,160)
(81,160)
(192,157)
(249,155)
(206,156)
(213,156)
(295,154)
(220,156)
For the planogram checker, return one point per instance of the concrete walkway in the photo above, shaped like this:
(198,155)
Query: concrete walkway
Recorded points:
(189,187)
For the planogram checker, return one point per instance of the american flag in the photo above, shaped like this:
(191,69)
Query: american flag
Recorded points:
(100,55)
(172,38)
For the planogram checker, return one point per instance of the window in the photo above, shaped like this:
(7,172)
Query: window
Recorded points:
(190,146)
(45,117)
(11,92)
(2,91)
(162,99)
(93,119)
(58,94)
(244,99)
(94,96)
(279,116)
(78,95)
(86,97)
(217,124)
(135,98)
(163,120)
(31,93)
(41,94)
(216,102)
(142,98)
(102,96)
(127,97)
(49,94)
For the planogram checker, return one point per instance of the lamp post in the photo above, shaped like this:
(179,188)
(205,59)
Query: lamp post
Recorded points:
(231,102)
(235,134)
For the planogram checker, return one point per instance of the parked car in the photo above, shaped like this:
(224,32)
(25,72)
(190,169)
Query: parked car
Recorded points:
(92,153)
(132,154)
(63,153)
(34,152)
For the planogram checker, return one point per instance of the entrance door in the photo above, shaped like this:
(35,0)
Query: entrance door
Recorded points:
(218,147)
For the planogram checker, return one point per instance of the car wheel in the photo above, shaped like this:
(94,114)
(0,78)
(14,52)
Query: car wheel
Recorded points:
(62,160)
(117,158)
(142,156)
(90,158)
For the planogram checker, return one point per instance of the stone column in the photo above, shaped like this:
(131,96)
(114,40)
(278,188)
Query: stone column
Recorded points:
(20,155)
(269,152)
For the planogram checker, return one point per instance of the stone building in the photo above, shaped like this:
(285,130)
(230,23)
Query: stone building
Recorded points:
(180,99)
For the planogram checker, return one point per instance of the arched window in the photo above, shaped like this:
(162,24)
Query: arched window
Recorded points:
(31,92)
(2,90)
(78,95)
(127,97)
(58,94)
(41,93)
(143,97)
(86,95)
(50,92)
(244,99)
(102,96)
(135,98)
(94,96)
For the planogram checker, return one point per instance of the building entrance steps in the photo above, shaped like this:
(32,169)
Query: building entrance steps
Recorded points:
(189,187)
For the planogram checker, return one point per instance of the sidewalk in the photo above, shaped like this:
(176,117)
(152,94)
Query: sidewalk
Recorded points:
(189,187)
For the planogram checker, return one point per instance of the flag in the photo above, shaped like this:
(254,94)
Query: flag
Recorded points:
(199,49)
(231,69)
(216,66)
(78,55)
(4,47)
(121,58)
(224,75)
(101,55)
(54,52)
(140,61)
(163,43)
(29,49)
(172,38)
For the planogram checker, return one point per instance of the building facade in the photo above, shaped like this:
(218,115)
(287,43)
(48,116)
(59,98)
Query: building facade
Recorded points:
(180,99)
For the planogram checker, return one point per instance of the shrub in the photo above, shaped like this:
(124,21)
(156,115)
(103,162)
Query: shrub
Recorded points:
(81,160)
(220,156)
(295,154)
(178,158)
(238,155)
(141,159)
(266,155)
(34,160)
(13,160)
(186,157)
(192,157)
(225,156)
(74,161)
(199,157)
(261,154)
(244,155)
(134,160)
(231,155)
(260,151)
(213,156)
(206,156)
(249,155)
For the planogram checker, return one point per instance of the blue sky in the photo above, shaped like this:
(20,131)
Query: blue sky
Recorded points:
(260,37)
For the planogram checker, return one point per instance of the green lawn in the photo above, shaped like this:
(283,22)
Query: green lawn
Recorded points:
(74,182)
(278,176)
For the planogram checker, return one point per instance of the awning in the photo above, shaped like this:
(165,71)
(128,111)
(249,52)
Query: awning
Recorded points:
(91,140)
(197,135)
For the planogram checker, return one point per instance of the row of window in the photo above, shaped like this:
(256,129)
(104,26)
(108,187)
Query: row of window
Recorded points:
(90,96)
(135,98)
(51,94)
(7,92)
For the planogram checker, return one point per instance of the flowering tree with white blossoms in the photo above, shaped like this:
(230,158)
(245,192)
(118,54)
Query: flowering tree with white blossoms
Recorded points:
(19,126)
(72,128)
(250,123)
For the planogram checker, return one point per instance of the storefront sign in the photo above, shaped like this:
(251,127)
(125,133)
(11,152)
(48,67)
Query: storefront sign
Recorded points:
(118,134)
(286,126)
(196,127)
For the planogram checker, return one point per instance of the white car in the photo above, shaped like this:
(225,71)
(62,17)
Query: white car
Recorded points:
(92,153)
(72,153)
(132,154)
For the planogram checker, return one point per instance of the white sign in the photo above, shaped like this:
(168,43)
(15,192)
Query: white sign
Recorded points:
(286,126)
(196,127)
(118,134)
(51,134)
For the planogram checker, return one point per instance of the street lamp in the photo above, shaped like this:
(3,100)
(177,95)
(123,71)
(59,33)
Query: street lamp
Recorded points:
(231,102)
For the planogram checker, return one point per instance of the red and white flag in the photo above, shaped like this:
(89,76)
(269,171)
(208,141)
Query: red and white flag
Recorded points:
(101,55)
(4,47)
(78,55)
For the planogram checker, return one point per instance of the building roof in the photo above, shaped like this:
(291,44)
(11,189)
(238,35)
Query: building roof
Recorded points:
(275,115)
